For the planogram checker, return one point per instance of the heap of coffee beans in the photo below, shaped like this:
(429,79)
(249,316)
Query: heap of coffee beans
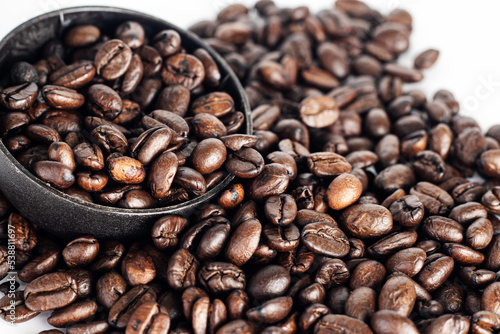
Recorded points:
(117,121)
(352,211)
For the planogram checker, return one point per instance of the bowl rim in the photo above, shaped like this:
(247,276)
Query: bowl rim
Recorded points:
(110,209)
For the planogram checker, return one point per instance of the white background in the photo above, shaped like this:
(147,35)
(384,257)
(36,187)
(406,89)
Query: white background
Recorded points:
(466,34)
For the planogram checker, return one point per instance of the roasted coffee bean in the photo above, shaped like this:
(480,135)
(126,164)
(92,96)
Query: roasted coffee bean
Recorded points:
(245,163)
(368,273)
(19,97)
(392,243)
(340,323)
(209,155)
(113,59)
(221,277)
(243,242)
(273,180)
(395,177)
(387,321)
(398,294)
(325,239)
(408,261)
(269,282)
(104,101)
(40,265)
(89,156)
(73,76)
(435,200)
(81,251)
(407,211)
(443,229)
(436,270)
(328,164)
(232,197)
(366,220)
(489,299)
(25,236)
(62,98)
(126,170)
(50,291)
(55,173)
(82,35)
(282,238)
(165,231)
(73,313)
(122,310)
(138,268)
(149,317)
(182,269)
(42,133)
(162,174)
(344,190)
(109,288)
(280,210)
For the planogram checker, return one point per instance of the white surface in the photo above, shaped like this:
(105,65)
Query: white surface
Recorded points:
(463,31)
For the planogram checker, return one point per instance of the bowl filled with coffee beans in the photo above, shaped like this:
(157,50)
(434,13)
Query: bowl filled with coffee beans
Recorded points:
(111,118)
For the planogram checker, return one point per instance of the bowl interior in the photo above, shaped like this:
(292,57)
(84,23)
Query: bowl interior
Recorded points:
(21,187)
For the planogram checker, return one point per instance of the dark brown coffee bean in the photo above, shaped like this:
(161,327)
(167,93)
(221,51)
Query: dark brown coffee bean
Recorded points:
(280,210)
(183,69)
(319,112)
(149,317)
(109,288)
(435,199)
(387,321)
(392,243)
(273,180)
(81,251)
(344,190)
(138,268)
(398,294)
(190,180)
(113,59)
(73,76)
(238,326)
(369,273)
(97,327)
(489,299)
(243,242)
(40,265)
(25,236)
(328,164)
(395,177)
(407,211)
(165,231)
(479,234)
(62,98)
(82,35)
(50,291)
(436,270)
(217,104)
(408,261)
(182,269)
(89,156)
(73,313)
(221,277)
(332,323)
(443,229)
(55,173)
(208,155)
(282,238)
(366,220)
(426,59)
(324,239)
(19,97)
(122,310)
(104,101)
(42,133)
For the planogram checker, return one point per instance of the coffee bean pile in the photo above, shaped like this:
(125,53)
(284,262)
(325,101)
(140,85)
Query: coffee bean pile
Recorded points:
(352,212)
(117,121)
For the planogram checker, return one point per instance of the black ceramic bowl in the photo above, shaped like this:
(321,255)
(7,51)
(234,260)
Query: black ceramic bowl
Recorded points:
(50,208)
